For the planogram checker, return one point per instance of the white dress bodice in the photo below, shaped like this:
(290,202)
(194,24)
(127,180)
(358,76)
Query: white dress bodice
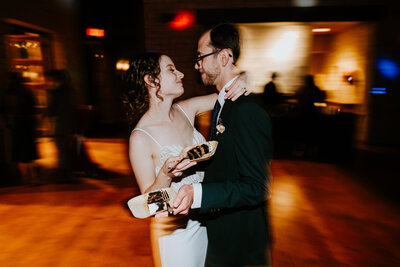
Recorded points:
(167,151)
(174,150)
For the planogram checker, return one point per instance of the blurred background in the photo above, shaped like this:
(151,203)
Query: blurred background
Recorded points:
(334,102)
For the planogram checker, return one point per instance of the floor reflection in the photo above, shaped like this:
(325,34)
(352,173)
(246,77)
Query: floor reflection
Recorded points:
(320,216)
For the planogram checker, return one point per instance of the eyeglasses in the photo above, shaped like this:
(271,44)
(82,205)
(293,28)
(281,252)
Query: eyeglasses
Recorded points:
(200,58)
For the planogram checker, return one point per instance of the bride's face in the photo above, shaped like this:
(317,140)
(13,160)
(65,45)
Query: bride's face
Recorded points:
(170,78)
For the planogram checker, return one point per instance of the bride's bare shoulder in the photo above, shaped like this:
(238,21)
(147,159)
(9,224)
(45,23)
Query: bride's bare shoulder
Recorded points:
(187,107)
(138,139)
(145,135)
(140,135)
(184,104)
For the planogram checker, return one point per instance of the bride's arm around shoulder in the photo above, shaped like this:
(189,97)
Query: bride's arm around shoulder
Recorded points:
(195,105)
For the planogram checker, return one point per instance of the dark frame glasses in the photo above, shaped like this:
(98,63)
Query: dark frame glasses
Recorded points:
(200,58)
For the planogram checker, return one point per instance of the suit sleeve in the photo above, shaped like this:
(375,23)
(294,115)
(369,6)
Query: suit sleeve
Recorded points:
(253,150)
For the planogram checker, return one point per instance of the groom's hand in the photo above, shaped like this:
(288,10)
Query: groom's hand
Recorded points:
(183,200)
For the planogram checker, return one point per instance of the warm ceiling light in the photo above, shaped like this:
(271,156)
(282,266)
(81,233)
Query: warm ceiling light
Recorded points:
(321,30)
(122,64)
(95,32)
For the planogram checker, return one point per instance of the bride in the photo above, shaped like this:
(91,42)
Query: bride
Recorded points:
(162,129)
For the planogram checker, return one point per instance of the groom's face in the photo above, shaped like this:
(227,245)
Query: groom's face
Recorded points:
(208,66)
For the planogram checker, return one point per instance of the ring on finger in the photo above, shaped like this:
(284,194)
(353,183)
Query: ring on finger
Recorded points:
(244,89)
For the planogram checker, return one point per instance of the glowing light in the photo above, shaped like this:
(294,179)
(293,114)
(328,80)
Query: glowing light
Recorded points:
(122,64)
(95,32)
(182,20)
(24,44)
(388,68)
(285,46)
(321,30)
(378,90)
(29,74)
(320,104)
(305,3)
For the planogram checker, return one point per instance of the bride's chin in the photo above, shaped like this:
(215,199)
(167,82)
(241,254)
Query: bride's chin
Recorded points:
(180,93)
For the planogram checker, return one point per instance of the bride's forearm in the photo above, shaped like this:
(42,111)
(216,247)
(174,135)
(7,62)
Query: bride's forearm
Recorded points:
(161,181)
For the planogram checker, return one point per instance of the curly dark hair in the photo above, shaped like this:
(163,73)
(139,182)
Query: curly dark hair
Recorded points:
(136,97)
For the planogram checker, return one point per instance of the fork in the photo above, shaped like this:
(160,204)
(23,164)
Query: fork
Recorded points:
(165,198)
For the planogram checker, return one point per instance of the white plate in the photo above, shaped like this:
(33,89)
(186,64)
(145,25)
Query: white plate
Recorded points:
(142,206)
(212,147)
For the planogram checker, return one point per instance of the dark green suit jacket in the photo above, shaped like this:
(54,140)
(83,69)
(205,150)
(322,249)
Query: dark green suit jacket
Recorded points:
(235,186)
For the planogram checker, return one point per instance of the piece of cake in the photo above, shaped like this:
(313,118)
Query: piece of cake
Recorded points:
(198,151)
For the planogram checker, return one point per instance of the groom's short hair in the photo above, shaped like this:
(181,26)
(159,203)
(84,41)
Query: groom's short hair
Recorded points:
(226,36)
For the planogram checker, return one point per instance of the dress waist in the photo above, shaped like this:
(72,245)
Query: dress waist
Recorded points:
(169,224)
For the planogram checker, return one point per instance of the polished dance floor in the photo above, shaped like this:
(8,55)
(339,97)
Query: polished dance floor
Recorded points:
(320,216)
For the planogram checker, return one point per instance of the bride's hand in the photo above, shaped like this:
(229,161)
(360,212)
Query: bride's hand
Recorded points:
(238,88)
(174,166)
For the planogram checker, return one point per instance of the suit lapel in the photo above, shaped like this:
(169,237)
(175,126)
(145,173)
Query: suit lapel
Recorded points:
(225,110)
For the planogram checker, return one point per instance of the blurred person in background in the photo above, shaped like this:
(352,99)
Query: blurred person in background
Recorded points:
(233,195)
(62,110)
(306,97)
(272,98)
(163,127)
(19,116)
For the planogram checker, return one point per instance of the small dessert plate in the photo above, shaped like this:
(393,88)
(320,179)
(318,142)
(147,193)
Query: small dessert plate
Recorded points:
(151,203)
(200,152)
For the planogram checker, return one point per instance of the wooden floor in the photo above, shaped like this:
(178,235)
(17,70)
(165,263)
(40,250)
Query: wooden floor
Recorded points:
(320,216)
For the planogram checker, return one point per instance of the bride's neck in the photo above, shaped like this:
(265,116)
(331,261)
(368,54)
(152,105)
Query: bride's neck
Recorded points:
(160,111)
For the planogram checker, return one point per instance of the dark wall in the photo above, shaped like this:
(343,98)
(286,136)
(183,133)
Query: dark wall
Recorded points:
(55,18)
(123,25)
(384,126)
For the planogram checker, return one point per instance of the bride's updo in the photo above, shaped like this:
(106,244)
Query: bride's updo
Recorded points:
(136,97)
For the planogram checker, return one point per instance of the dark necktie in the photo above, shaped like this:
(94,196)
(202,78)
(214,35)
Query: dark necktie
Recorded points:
(213,129)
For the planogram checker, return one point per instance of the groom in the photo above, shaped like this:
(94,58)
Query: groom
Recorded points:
(236,183)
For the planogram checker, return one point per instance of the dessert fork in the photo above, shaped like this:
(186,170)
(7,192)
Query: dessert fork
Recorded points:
(165,198)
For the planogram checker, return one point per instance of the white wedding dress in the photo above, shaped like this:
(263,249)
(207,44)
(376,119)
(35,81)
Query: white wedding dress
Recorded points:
(178,241)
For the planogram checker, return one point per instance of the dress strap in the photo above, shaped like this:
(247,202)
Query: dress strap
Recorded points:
(185,114)
(149,135)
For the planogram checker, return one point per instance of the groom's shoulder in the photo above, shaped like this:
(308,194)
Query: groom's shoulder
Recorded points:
(250,103)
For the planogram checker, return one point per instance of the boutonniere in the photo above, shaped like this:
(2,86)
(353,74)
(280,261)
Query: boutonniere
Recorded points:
(220,127)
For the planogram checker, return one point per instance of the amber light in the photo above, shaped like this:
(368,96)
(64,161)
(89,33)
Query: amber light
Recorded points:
(182,20)
(321,30)
(95,32)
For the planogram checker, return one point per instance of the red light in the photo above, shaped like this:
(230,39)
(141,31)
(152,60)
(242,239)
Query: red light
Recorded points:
(182,20)
(95,32)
